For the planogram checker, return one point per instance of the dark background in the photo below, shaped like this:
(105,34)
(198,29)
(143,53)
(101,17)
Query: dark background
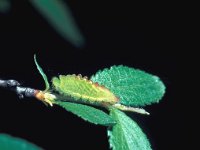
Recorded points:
(143,36)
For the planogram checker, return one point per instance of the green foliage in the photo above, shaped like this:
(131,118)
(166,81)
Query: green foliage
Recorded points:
(134,87)
(126,134)
(8,142)
(88,113)
(42,74)
(58,15)
(82,89)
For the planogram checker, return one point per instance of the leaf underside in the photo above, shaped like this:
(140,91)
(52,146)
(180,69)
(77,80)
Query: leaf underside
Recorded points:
(82,89)
(8,142)
(88,113)
(133,87)
(126,134)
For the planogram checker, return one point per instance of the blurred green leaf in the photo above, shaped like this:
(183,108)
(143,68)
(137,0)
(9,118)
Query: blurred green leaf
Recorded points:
(126,134)
(4,6)
(8,142)
(58,15)
(134,87)
(88,113)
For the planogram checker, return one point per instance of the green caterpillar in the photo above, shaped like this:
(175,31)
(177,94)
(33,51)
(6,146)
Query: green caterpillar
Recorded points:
(80,88)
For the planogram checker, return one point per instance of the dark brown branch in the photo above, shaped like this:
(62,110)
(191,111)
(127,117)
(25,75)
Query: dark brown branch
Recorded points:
(14,85)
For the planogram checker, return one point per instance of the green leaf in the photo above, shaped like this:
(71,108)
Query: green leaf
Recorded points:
(88,113)
(81,89)
(8,142)
(126,134)
(42,73)
(134,87)
(5,6)
(58,15)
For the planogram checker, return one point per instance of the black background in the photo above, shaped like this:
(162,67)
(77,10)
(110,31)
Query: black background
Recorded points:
(137,35)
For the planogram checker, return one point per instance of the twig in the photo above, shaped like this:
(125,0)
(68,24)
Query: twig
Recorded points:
(14,85)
